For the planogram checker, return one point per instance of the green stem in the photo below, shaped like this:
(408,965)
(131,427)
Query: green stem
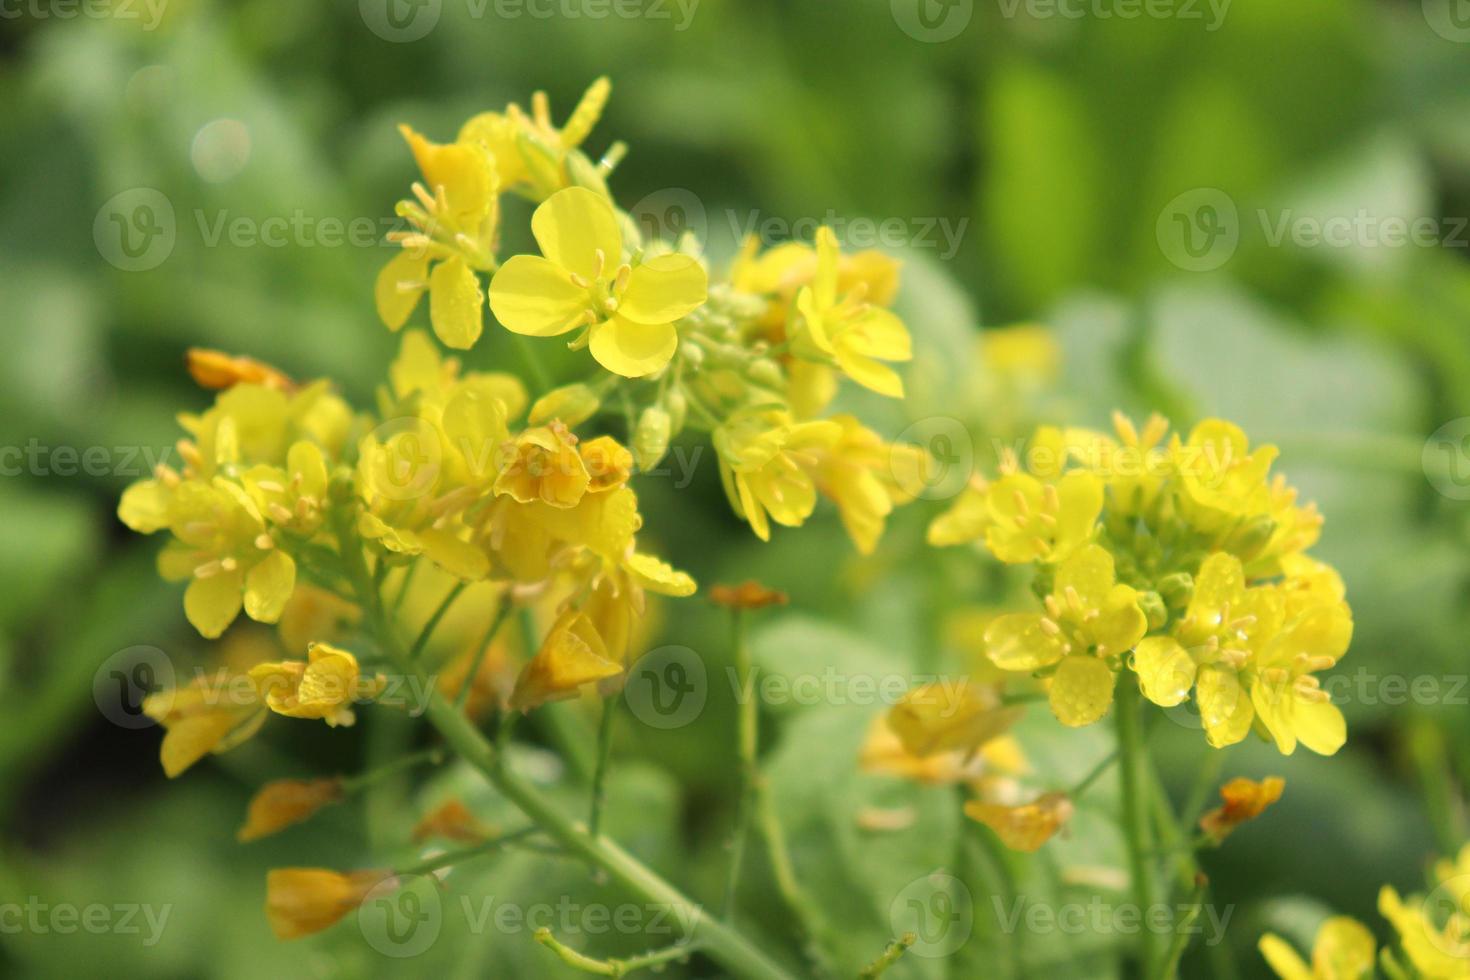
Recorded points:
(449,858)
(604,754)
(501,615)
(726,946)
(1134,762)
(890,956)
(746,744)
(1093,775)
(404,586)
(612,967)
(352,784)
(1169,967)
(427,632)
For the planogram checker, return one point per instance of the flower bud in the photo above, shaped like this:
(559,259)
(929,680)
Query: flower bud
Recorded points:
(1025,827)
(1154,609)
(766,373)
(1247,540)
(678,407)
(572,404)
(651,437)
(1177,589)
(692,353)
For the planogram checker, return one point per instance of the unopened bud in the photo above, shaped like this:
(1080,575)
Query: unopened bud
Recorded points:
(651,437)
(1177,589)
(692,353)
(572,404)
(1247,540)
(766,372)
(678,408)
(1154,609)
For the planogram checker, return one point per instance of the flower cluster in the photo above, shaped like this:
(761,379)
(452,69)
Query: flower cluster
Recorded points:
(752,358)
(1180,560)
(1433,934)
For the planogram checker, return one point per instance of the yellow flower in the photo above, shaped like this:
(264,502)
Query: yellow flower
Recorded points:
(1344,950)
(1089,621)
(530,153)
(948,715)
(302,901)
(1287,698)
(581,281)
(324,686)
(1244,799)
(1219,473)
(1025,827)
(766,463)
(209,715)
(292,497)
(221,545)
(573,654)
(283,802)
(965,520)
(884,752)
(779,273)
(1438,944)
(454,221)
(1032,521)
(543,464)
(856,333)
(860,473)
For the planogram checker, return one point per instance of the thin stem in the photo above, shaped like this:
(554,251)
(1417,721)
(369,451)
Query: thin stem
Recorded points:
(612,967)
(427,632)
(449,858)
(890,956)
(1169,967)
(746,744)
(404,585)
(501,615)
(728,947)
(604,754)
(351,784)
(1094,774)
(807,915)
(1133,759)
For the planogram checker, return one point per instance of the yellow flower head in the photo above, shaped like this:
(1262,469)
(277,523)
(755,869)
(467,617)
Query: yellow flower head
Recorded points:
(581,281)
(1219,473)
(324,686)
(451,820)
(543,464)
(1090,621)
(1025,827)
(1030,520)
(573,654)
(861,474)
(608,462)
(766,465)
(1344,950)
(948,715)
(302,901)
(454,220)
(857,334)
(283,802)
(1244,799)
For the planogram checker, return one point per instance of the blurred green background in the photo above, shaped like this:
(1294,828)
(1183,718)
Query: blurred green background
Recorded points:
(1068,155)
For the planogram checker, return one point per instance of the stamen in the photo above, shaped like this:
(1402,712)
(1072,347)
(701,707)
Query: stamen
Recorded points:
(265,542)
(1049,627)
(422,193)
(271,486)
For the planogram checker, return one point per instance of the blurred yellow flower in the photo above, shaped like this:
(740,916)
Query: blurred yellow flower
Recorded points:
(1244,799)
(283,802)
(1344,950)
(324,686)
(573,654)
(302,901)
(1025,827)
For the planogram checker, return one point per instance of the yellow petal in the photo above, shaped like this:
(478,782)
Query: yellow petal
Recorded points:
(399,285)
(1081,500)
(965,521)
(1017,641)
(870,373)
(660,577)
(191,739)
(1165,670)
(572,225)
(536,297)
(663,289)
(269,586)
(1283,959)
(283,802)
(824,284)
(1224,706)
(1089,572)
(1081,690)
(1221,583)
(1343,950)
(457,557)
(1320,726)
(212,603)
(456,305)
(633,349)
(144,506)
(880,333)
(1121,623)
(1025,827)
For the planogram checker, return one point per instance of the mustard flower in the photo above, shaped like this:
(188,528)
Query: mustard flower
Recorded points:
(581,281)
